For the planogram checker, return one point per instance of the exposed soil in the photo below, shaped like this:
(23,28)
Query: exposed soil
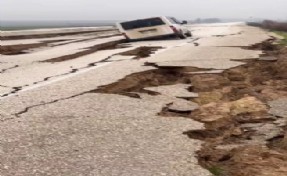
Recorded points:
(241,137)
(22,48)
(18,37)
(138,81)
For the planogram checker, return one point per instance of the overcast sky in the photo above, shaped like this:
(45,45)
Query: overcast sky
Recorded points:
(129,9)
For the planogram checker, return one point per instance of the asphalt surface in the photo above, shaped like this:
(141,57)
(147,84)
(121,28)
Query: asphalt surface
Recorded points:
(52,125)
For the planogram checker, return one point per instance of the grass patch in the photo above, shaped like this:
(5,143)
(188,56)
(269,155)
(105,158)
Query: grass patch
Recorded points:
(216,171)
(283,34)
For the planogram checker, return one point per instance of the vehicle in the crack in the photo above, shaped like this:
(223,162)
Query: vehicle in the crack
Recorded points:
(153,28)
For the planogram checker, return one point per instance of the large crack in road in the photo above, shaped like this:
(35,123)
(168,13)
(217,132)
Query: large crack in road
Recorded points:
(10,68)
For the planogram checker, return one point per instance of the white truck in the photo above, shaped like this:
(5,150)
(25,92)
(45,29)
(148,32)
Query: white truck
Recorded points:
(153,28)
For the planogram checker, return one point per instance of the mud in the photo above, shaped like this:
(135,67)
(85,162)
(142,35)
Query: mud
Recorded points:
(19,37)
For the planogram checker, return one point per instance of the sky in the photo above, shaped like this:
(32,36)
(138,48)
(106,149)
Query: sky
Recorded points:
(41,10)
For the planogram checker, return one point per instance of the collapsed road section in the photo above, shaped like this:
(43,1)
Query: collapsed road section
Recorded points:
(200,106)
(241,129)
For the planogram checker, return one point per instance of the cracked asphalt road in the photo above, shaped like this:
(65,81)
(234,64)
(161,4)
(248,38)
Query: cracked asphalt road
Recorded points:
(54,125)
